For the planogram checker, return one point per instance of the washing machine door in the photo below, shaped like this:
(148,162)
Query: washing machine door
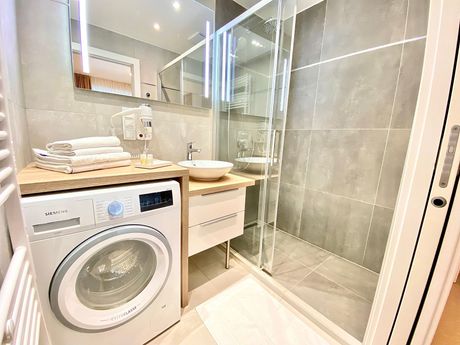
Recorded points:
(110,278)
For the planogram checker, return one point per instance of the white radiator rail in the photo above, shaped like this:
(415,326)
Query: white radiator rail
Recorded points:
(20,318)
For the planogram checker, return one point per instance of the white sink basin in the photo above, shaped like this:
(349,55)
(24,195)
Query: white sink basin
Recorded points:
(203,170)
(254,164)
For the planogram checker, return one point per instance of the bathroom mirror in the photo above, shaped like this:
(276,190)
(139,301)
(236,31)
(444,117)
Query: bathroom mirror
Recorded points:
(152,49)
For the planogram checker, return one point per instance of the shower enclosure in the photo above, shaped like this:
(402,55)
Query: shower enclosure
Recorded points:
(318,109)
(251,76)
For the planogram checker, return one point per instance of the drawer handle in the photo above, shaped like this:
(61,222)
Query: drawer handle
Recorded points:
(221,219)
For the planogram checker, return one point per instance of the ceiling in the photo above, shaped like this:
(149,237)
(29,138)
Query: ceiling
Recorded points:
(179,29)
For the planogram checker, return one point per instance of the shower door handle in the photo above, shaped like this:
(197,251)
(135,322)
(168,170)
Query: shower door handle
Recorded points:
(272,149)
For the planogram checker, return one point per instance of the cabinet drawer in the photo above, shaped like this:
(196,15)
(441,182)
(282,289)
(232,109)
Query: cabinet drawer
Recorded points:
(203,208)
(214,232)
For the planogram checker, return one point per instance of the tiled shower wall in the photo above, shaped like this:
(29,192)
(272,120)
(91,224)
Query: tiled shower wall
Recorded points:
(354,84)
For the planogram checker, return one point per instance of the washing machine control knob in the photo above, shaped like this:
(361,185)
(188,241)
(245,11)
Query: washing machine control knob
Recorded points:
(115,209)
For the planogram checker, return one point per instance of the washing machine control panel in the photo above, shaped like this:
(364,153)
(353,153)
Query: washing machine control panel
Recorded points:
(108,209)
(115,209)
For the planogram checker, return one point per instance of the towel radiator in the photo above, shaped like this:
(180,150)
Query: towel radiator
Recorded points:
(20,316)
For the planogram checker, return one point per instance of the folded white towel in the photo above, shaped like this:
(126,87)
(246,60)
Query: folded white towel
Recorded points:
(91,151)
(83,143)
(45,157)
(72,170)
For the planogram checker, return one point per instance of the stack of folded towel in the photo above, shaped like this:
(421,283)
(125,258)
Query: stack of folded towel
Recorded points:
(84,154)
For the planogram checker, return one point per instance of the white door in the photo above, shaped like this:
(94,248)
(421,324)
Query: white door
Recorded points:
(427,191)
(110,278)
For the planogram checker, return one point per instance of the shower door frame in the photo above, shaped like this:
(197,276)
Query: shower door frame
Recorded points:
(276,94)
(417,227)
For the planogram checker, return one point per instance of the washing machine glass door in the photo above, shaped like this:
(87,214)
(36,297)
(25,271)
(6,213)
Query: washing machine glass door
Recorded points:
(110,278)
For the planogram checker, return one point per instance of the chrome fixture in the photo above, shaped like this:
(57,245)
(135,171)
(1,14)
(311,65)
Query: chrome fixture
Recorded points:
(190,151)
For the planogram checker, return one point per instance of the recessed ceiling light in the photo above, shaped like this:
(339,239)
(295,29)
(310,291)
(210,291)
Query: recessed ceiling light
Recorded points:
(156,26)
(176,5)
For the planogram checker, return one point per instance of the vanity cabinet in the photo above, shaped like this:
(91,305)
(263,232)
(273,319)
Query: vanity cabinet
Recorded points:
(215,218)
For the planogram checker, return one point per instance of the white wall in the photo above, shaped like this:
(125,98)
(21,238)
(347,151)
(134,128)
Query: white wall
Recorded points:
(55,110)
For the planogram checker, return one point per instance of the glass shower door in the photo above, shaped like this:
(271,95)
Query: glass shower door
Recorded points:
(250,76)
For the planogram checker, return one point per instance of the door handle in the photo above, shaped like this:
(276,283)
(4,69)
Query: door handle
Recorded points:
(449,157)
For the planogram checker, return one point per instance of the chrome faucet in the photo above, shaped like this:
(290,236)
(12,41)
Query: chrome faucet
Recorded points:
(190,150)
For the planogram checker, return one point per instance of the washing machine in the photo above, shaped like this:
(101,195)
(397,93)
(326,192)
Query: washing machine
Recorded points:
(107,262)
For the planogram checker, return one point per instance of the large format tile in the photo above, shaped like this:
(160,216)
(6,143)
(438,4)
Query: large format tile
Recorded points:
(378,238)
(302,94)
(350,275)
(357,91)
(309,255)
(248,314)
(208,257)
(336,224)
(248,244)
(189,331)
(361,24)
(417,18)
(289,208)
(408,84)
(196,278)
(346,162)
(308,35)
(338,304)
(48,126)
(288,272)
(393,164)
(290,248)
(295,155)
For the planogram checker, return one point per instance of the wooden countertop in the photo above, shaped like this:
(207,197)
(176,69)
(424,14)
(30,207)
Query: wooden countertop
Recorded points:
(33,180)
(229,181)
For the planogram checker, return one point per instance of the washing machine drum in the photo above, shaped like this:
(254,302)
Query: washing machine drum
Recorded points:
(110,278)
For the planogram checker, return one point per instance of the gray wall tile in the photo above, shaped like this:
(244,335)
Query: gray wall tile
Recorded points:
(408,84)
(417,18)
(346,162)
(357,92)
(393,164)
(336,224)
(289,208)
(361,24)
(302,94)
(378,237)
(308,35)
(295,155)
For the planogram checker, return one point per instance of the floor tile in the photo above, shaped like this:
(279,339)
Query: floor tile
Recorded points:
(347,274)
(338,304)
(196,278)
(295,249)
(208,257)
(288,272)
(185,332)
(247,314)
